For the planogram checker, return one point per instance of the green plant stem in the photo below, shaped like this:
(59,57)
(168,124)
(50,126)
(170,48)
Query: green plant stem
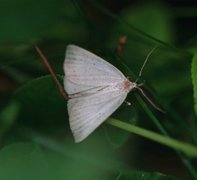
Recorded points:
(184,159)
(188,149)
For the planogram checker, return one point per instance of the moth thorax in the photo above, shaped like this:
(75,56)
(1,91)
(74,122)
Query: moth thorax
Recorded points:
(127,85)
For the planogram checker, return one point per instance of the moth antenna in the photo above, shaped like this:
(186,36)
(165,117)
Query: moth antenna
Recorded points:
(44,59)
(148,99)
(145,61)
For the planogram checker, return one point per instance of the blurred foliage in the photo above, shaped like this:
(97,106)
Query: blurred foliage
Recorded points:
(29,161)
(36,142)
(37,104)
(194,78)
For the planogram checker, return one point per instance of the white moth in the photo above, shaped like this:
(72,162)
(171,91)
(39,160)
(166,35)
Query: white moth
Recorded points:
(95,88)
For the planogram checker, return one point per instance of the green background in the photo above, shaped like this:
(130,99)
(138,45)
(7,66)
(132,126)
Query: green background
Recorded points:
(36,141)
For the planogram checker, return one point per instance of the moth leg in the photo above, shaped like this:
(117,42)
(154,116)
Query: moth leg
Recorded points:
(127,103)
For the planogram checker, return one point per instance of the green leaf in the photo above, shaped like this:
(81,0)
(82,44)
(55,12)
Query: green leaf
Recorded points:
(25,19)
(42,106)
(118,138)
(140,175)
(9,113)
(21,161)
(60,161)
(8,116)
(145,15)
(29,20)
(194,79)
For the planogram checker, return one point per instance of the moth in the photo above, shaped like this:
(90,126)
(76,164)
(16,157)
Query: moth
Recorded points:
(95,88)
